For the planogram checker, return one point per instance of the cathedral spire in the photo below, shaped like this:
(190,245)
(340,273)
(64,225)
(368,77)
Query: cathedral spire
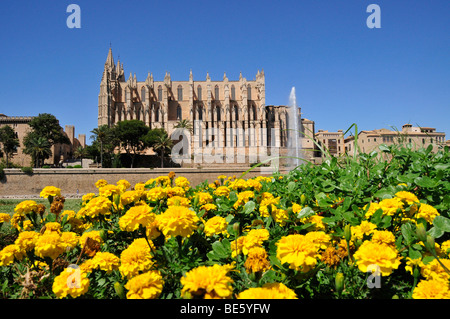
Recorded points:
(110,60)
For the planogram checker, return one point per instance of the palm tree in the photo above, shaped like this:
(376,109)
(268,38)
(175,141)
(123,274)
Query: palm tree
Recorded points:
(101,134)
(162,143)
(38,147)
(184,124)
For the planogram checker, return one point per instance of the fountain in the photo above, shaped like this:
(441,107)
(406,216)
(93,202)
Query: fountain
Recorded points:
(294,128)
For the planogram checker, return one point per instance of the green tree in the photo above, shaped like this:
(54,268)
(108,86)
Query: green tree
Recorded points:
(130,135)
(47,126)
(9,142)
(37,147)
(162,145)
(103,137)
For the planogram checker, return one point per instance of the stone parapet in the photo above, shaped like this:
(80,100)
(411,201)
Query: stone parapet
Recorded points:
(82,181)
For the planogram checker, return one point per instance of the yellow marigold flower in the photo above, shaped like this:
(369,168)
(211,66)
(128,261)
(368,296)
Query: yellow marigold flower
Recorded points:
(178,201)
(237,246)
(316,220)
(177,221)
(52,227)
(151,231)
(206,282)
(222,191)
(4,217)
(27,240)
(49,245)
(156,193)
(413,263)
(109,190)
(26,206)
(215,226)
(136,258)
(434,271)
(257,260)
(408,197)
(204,198)
(105,261)
(175,191)
(365,228)
(123,185)
(182,182)
(296,208)
(268,291)
(87,197)
(93,234)
(330,256)
(238,184)
(256,185)
(71,281)
(371,254)
(320,238)
(135,217)
(445,247)
(163,180)
(129,197)
(8,253)
(69,239)
(50,191)
(431,289)
(243,197)
(427,212)
(298,251)
(383,237)
(391,205)
(98,205)
(373,207)
(148,285)
(101,183)
(209,207)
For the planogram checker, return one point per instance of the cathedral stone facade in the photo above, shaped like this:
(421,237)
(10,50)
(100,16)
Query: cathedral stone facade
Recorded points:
(229,115)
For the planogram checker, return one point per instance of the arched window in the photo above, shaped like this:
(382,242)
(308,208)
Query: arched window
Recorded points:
(179,115)
(255,117)
(160,93)
(143,94)
(218,113)
(236,113)
(233,92)
(216,92)
(156,114)
(200,113)
(180,93)
(199,93)
(249,92)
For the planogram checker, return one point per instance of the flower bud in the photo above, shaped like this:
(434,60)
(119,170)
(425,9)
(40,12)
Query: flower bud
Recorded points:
(236,228)
(421,232)
(429,244)
(348,232)
(302,199)
(119,290)
(339,282)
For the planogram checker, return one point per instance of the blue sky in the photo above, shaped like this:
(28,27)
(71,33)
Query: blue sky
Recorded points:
(343,71)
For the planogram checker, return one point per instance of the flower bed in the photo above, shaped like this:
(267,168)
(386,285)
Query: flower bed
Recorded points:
(365,228)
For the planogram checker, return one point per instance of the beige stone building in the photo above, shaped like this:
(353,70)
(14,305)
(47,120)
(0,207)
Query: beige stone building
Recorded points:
(229,116)
(331,141)
(59,152)
(417,137)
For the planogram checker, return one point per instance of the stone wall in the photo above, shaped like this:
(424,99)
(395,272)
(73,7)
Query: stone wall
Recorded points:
(81,181)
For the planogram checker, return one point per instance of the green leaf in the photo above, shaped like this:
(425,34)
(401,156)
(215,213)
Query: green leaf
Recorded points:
(414,254)
(305,212)
(442,223)
(425,181)
(435,232)
(408,233)
(291,187)
(249,207)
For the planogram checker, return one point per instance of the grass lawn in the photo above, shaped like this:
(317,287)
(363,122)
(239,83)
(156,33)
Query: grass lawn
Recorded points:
(8,205)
